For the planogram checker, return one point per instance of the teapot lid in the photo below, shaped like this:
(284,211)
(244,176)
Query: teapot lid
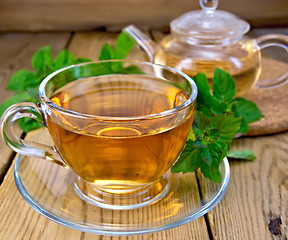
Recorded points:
(209,26)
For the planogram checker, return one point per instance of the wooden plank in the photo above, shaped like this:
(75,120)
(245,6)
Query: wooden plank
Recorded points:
(18,15)
(16,52)
(256,202)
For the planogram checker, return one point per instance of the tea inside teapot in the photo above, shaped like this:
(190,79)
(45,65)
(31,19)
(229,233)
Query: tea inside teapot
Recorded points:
(241,60)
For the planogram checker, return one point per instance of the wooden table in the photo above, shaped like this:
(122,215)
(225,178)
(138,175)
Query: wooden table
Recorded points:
(255,205)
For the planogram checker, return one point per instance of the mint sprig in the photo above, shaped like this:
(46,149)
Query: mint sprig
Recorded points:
(222,100)
(25,83)
(219,117)
(212,136)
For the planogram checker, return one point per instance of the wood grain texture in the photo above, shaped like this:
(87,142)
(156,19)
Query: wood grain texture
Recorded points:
(257,195)
(34,15)
(254,207)
(16,52)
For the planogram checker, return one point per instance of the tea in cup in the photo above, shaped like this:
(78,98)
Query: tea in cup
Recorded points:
(118,125)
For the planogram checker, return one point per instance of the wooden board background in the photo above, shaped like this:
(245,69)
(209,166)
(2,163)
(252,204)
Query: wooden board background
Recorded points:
(39,15)
(254,207)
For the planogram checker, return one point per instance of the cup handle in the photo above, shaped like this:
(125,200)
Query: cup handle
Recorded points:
(21,146)
(275,40)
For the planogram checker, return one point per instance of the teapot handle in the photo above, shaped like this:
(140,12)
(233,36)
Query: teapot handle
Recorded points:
(273,40)
(147,44)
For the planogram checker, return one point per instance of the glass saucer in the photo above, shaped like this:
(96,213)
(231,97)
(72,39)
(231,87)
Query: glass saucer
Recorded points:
(49,189)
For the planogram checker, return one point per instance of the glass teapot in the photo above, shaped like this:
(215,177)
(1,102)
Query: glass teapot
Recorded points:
(204,39)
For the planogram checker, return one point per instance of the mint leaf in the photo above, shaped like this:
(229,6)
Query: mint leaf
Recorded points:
(213,174)
(82,60)
(42,59)
(204,99)
(106,52)
(211,135)
(244,127)
(21,80)
(228,126)
(193,158)
(247,110)
(206,102)
(223,85)
(219,108)
(213,138)
(188,160)
(28,124)
(123,46)
(64,59)
(221,101)
(200,123)
(242,154)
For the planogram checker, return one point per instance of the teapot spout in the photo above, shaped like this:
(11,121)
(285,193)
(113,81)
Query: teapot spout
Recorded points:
(146,43)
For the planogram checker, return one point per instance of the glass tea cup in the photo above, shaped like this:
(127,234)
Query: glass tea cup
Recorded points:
(118,125)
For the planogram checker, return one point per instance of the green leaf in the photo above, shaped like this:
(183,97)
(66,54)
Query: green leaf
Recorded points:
(228,126)
(64,59)
(211,135)
(132,69)
(106,52)
(28,124)
(42,58)
(200,122)
(244,127)
(123,46)
(191,135)
(223,85)
(82,60)
(204,95)
(247,110)
(206,102)
(21,80)
(242,154)
(189,159)
(213,174)
(219,108)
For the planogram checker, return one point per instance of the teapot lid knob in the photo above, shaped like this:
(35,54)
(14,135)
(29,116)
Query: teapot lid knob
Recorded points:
(209,5)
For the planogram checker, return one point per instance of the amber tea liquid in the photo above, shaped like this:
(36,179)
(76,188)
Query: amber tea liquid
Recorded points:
(245,70)
(108,154)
